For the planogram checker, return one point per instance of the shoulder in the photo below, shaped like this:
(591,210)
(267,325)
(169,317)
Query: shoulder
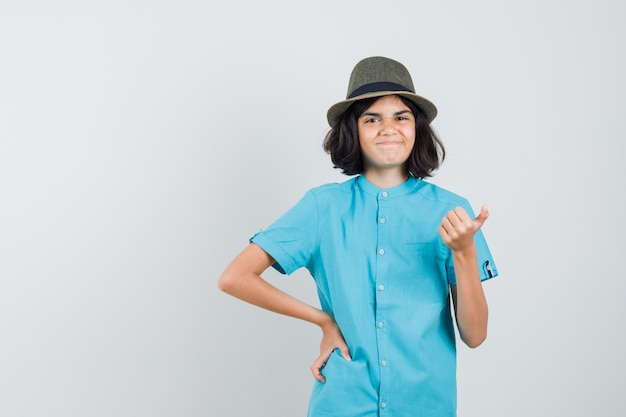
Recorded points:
(333,189)
(436,194)
(325,196)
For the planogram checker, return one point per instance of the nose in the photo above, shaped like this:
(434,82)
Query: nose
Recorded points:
(387,125)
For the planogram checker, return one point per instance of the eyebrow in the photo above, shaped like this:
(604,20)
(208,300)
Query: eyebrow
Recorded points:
(367,113)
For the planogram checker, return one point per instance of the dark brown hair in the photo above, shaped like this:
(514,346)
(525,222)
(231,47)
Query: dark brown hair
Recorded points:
(342,142)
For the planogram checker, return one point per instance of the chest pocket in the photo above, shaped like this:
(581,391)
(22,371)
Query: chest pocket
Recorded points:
(422,271)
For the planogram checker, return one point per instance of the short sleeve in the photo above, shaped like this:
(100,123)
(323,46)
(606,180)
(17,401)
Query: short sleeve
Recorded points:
(486,266)
(292,239)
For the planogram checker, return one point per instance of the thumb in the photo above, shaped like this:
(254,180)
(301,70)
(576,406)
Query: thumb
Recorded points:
(482,216)
(345,352)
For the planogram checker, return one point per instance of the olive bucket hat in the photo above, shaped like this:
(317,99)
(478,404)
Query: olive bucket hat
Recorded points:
(378,76)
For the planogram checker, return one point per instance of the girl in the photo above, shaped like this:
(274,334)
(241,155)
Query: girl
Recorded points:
(389,253)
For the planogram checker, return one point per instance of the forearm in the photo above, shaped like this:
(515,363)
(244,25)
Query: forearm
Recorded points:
(253,289)
(469,298)
(242,279)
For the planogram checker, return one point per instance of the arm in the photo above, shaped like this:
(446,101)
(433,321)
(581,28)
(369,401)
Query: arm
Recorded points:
(470,305)
(242,279)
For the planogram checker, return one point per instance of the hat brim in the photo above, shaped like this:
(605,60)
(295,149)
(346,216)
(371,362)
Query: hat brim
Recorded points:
(336,110)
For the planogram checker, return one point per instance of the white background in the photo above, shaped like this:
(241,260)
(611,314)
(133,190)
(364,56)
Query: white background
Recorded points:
(142,143)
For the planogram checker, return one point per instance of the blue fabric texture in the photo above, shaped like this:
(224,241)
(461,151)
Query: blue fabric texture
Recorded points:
(383,272)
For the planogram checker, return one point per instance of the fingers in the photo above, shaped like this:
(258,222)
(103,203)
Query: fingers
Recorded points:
(320,362)
(456,223)
(458,228)
(444,234)
(317,367)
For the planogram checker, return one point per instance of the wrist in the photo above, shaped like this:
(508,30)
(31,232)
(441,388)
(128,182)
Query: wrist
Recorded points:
(326,320)
(465,253)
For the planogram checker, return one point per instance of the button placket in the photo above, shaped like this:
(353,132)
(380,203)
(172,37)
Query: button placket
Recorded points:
(381,294)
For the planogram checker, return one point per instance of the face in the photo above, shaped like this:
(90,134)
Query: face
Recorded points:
(386,134)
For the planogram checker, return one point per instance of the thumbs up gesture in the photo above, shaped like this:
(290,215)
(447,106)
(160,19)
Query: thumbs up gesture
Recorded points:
(457,229)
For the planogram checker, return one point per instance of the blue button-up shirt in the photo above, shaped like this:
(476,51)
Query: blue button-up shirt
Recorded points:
(383,272)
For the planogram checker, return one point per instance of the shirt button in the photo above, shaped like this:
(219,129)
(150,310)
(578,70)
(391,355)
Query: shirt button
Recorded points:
(383,405)
(381,251)
(381,287)
(382,220)
(383,363)
(384,194)
(381,324)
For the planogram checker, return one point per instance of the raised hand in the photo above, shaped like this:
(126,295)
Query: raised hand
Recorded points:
(457,229)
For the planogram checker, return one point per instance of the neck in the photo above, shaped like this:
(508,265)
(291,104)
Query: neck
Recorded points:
(386,178)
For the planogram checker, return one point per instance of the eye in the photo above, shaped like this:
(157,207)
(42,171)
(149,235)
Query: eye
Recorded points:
(371,120)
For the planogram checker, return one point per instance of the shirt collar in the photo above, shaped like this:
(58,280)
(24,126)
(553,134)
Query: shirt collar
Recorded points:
(404,188)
